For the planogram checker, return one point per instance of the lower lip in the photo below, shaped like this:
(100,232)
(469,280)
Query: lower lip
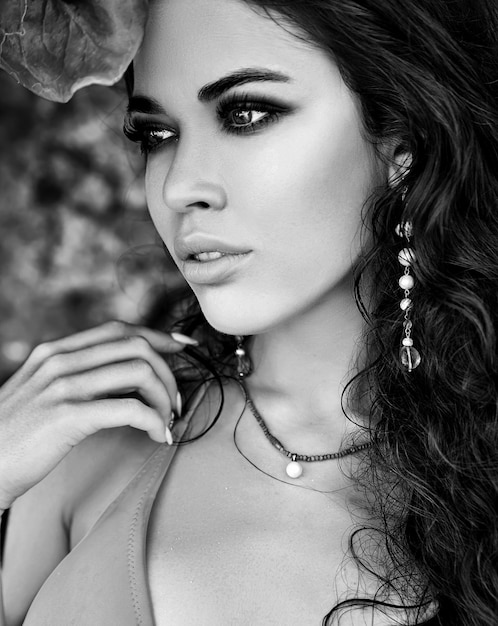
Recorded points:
(214,271)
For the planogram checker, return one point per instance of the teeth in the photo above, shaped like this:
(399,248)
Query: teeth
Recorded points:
(208,256)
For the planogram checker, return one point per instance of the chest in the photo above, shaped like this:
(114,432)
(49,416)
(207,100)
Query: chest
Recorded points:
(227,544)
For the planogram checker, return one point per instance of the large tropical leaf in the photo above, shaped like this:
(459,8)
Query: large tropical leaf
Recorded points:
(55,47)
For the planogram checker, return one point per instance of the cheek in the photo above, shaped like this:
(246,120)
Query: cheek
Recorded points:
(162,218)
(308,186)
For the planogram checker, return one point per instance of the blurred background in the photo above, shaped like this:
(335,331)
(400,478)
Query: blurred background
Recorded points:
(77,246)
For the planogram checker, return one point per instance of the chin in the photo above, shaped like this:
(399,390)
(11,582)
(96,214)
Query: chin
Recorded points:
(238,319)
(233,326)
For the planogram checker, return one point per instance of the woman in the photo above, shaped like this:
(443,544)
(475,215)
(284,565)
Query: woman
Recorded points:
(324,173)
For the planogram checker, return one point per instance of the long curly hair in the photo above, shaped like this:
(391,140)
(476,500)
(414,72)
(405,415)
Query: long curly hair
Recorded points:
(426,76)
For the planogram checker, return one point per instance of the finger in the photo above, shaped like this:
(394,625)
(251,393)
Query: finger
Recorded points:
(116,412)
(113,380)
(121,350)
(109,331)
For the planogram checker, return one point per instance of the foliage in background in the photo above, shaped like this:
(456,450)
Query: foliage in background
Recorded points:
(77,246)
(55,47)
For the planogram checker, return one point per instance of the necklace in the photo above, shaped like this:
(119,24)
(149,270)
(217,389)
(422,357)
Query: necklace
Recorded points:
(294,469)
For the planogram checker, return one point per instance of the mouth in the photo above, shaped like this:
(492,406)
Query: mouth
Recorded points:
(212,255)
(202,248)
(213,267)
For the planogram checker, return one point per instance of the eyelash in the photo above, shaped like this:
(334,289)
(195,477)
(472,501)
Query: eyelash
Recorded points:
(141,132)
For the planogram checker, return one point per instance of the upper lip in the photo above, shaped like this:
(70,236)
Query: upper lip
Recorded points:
(188,246)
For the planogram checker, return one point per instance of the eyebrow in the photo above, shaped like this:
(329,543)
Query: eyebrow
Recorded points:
(211,91)
(144,104)
(214,90)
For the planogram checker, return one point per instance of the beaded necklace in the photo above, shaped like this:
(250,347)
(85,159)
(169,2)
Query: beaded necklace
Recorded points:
(295,469)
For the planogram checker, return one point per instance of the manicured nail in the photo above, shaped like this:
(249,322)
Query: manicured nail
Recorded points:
(169,436)
(179,404)
(184,339)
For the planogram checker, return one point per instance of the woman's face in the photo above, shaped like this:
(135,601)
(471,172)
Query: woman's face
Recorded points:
(256,153)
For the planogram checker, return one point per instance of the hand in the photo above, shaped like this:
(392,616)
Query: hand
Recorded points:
(73,387)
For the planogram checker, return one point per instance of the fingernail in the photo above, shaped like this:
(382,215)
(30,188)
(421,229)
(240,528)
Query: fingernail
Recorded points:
(184,339)
(169,436)
(179,404)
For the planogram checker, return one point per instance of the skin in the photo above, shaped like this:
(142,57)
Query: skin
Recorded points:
(55,417)
(292,192)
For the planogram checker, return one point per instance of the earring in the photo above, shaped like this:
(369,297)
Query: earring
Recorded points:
(409,356)
(244,365)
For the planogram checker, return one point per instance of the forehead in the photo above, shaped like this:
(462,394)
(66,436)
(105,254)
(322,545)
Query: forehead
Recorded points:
(192,42)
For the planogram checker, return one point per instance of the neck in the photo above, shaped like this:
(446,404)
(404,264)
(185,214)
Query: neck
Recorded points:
(302,366)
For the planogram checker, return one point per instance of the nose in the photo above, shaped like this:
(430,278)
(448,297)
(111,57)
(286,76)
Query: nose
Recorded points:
(193,180)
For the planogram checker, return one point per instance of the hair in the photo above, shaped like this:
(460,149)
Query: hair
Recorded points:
(426,76)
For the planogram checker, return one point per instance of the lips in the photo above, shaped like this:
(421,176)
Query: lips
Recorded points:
(215,269)
(200,247)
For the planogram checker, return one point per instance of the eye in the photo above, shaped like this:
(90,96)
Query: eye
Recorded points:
(241,114)
(148,136)
(246,117)
(153,138)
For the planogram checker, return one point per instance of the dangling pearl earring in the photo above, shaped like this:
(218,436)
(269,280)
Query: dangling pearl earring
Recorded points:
(409,356)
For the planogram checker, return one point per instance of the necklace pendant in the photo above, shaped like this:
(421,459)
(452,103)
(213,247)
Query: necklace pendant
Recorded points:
(294,469)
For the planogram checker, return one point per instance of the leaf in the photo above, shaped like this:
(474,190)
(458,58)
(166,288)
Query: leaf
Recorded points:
(55,47)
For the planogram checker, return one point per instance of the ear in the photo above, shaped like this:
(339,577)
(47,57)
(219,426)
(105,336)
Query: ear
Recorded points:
(400,164)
